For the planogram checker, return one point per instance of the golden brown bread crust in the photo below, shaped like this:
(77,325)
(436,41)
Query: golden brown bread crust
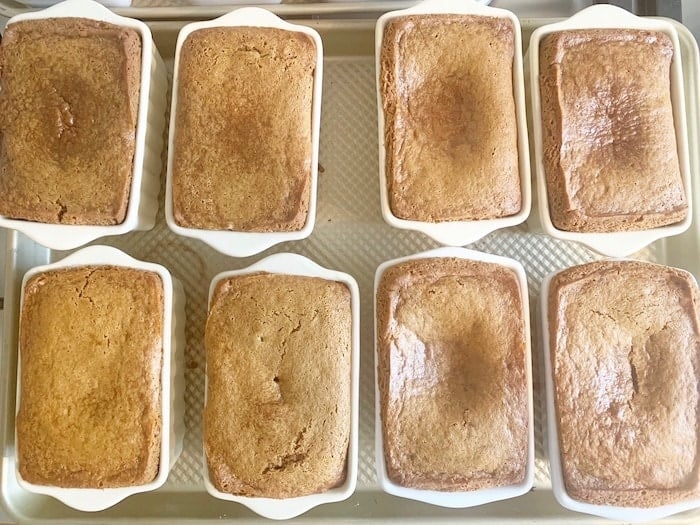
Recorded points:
(452,375)
(69,90)
(609,142)
(243,138)
(450,128)
(91,352)
(625,354)
(277,416)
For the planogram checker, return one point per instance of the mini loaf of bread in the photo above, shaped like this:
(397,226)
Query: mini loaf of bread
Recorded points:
(625,352)
(243,137)
(609,141)
(450,129)
(452,375)
(277,415)
(69,91)
(91,352)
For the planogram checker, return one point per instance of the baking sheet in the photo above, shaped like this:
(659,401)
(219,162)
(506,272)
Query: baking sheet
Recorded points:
(349,236)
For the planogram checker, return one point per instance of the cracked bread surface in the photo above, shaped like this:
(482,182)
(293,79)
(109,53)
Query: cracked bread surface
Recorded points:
(243,130)
(277,414)
(91,352)
(625,355)
(610,153)
(450,125)
(69,90)
(451,371)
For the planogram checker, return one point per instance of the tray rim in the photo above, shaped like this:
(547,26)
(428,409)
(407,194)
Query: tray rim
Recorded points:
(204,12)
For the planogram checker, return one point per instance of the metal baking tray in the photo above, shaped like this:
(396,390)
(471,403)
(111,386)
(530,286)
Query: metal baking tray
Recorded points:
(350,236)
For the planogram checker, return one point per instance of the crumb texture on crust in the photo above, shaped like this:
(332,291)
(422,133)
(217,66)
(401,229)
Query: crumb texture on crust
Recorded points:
(609,141)
(450,127)
(243,137)
(91,353)
(625,353)
(69,90)
(452,375)
(277,416)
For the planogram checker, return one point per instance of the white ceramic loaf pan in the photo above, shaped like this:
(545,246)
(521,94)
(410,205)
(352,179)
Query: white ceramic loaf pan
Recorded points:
(613,244)
(145,183)
(618,513)
(459,233)
(172,379)
(237,243)
(466,498)
(280,509)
